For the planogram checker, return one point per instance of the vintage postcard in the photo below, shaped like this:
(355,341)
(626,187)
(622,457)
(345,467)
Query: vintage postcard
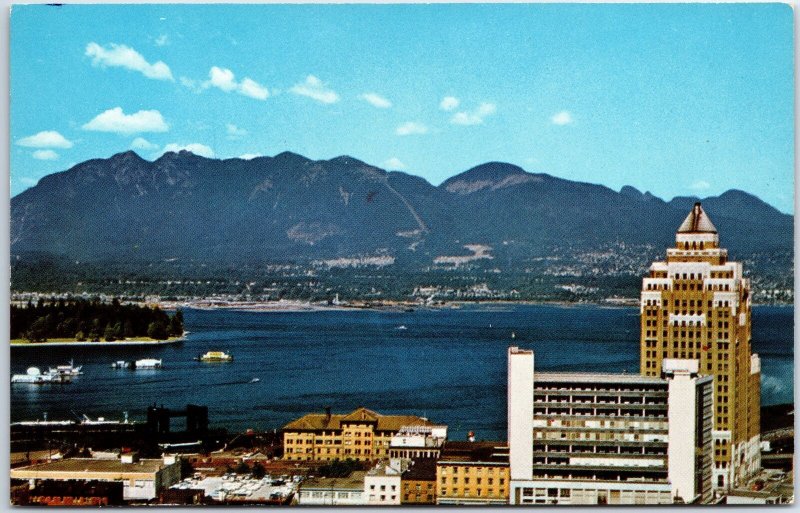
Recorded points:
(416,254)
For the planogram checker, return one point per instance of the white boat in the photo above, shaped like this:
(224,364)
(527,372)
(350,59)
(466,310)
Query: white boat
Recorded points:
(401,327)
(121,364)
(34,376)
(255,380)
(67,370)
(147,363)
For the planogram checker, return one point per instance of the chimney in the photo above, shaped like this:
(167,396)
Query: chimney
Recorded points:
(131,457)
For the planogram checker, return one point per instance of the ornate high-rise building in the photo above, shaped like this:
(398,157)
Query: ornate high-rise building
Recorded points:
(696,305)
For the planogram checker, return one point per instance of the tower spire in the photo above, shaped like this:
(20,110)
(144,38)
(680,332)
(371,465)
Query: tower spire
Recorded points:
(697,221)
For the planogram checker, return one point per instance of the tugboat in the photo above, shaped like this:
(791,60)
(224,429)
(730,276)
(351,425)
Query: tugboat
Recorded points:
(215,356)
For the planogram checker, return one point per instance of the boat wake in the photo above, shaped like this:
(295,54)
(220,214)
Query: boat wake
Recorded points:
(239,382)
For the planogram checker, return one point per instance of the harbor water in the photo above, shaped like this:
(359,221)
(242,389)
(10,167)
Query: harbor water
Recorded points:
(445,364)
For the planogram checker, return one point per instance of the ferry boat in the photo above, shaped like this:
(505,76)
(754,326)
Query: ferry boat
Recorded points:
(215,356)
(35,377)
(121,364)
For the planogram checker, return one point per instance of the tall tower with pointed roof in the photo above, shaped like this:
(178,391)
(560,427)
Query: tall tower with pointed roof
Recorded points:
(696,305)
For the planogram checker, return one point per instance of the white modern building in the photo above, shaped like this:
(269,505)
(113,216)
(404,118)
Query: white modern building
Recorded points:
(594,438)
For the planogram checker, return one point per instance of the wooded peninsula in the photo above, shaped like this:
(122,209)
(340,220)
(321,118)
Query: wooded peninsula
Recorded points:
(92,320)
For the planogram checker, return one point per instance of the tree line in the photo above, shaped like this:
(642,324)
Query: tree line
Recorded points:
(93,320)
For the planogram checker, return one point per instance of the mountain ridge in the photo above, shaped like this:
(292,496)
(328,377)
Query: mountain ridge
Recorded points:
(186,206)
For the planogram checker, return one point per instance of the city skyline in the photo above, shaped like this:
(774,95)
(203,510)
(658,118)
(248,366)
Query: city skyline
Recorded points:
(587,93)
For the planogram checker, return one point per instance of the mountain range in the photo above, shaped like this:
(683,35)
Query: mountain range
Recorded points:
(288,208)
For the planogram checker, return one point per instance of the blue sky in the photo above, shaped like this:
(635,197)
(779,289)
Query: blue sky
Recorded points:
(676,99)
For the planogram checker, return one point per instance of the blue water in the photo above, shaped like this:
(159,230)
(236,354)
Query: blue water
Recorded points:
(448,365)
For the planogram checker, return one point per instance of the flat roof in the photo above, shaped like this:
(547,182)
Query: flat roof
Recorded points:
(422,469)
(475,452)
(353,482)
(93,465)
(596,377)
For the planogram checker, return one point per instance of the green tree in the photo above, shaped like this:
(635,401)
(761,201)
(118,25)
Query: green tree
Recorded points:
(38,330)
(157,330)
(108,333)
(242,468)
(176,324)
(119,333)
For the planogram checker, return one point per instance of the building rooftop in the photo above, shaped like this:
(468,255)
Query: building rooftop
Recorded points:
(355,481)
(697,222)
(475,452)
(382,469)
(596,377)
(423,469)
(322,421)
(92,465)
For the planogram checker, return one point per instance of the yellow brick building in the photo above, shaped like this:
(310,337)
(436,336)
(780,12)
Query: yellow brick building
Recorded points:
(697,305)
(418,483)
(362,435)
(473,473)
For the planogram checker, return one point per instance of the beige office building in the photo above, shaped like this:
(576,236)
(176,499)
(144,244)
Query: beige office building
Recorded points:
(696,305)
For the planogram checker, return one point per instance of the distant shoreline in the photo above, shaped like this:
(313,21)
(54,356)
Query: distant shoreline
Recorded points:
(298,306)
(120,343)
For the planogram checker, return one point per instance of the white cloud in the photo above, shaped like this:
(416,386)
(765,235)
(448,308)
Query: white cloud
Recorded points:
(25,180)
(121,56)
(376,100)
(253,89)
(449,103)
(143,144)
(45,155)
(162,40)
(250,156)
(234,131)
(411,128)
(114,120)
(474,117)
(196,148)
(222,78)
(700,185)
(315,89)
(394,163)
(225,80)
(562,118)
(45,139)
